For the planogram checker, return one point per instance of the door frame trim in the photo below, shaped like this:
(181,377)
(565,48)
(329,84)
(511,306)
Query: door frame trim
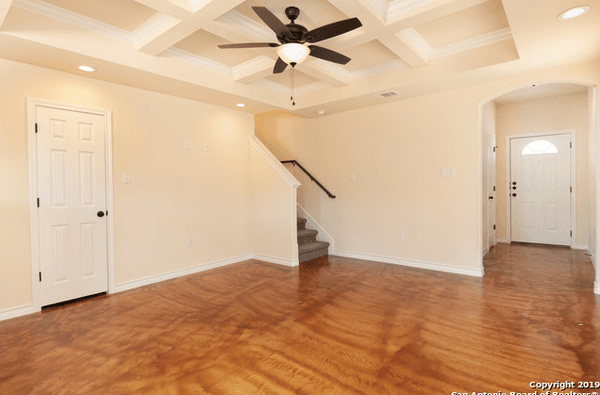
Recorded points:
(36,290)
(571,133)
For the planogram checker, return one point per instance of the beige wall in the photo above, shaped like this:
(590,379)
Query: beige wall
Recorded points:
(568,112)
(173,192)
(273,230)
(397,151)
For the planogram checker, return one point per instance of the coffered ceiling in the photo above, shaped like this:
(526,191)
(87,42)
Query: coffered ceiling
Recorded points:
(407,47)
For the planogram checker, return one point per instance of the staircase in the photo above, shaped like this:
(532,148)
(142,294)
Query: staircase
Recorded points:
(308,246)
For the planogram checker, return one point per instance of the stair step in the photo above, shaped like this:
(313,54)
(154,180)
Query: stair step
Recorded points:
(312,250)
(307,236)
(301,223)
(315,245)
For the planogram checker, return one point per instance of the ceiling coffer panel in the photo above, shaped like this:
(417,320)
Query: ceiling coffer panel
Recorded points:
(205,44)
(124,14)
(475,21)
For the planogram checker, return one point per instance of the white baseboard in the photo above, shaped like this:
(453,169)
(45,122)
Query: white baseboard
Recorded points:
(15,312)
(485,251)
(596,287)
(580,247)
(126,286)
(179,273)
(440,267)
(502,241)
(279,261)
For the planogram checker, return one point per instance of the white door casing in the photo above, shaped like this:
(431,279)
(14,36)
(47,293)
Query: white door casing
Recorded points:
(70,174)
(540,189)
(491,190)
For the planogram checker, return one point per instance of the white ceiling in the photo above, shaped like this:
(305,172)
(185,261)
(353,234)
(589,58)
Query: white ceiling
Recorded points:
(409,46)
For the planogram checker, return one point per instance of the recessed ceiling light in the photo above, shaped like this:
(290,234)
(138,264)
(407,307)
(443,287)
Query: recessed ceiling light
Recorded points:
(573,12)
(240,105)
(321,112)
(87,68)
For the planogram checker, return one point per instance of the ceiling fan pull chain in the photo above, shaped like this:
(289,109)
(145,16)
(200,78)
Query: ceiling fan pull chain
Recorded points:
(292,85)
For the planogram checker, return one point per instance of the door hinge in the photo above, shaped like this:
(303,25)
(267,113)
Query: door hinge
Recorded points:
(36,127)
(38,202)
(107,213)
(494,227)
(494,149)
(40,273)
(571,233)
(494,188)
(570,145)
(571,189)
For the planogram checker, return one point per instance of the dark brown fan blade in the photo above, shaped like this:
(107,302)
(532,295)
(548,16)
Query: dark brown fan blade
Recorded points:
(272,21)
(328,54)
(332,30)
(248,45)
(280,65)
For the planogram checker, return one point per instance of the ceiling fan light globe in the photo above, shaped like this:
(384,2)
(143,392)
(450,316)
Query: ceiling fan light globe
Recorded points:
(293,53)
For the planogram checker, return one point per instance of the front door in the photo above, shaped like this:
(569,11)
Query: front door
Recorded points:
(71,171)
(540,189)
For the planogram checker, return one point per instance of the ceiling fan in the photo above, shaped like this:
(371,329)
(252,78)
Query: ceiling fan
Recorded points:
(294,39)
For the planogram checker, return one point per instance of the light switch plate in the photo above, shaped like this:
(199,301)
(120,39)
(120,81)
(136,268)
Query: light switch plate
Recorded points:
(448,173)
(352,177)
(126,178)
(187,144)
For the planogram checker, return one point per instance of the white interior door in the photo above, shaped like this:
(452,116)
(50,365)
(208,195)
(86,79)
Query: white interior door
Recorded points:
(540,184)
(491,190)
(71,172)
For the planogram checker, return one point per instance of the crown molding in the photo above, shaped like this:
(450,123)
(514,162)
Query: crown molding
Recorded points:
(378,69)
(472,43)
(175,53)
(400,6)
(253,66)
(72,18)
(331,68)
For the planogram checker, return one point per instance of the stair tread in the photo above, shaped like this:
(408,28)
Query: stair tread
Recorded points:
(309,247)
(307,232)
(301,220)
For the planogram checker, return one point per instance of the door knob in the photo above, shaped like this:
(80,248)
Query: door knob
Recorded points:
(514,194)
(491,197)
(100,214)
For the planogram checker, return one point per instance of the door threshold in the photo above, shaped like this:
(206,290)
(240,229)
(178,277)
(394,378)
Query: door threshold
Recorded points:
(540,245)
(58,305)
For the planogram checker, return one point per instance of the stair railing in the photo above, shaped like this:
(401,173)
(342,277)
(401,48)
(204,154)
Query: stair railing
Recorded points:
(295,163)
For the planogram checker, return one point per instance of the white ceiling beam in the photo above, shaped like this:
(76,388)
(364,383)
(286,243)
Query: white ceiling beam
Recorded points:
(253,70)
(425,11)
(173,8)
(325,71)
(374,23)
(4,6)
(165,37)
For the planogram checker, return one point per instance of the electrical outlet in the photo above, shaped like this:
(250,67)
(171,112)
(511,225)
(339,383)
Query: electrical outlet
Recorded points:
(400,234)
(190,241)
(126,178)
(352,177)
(187,144)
